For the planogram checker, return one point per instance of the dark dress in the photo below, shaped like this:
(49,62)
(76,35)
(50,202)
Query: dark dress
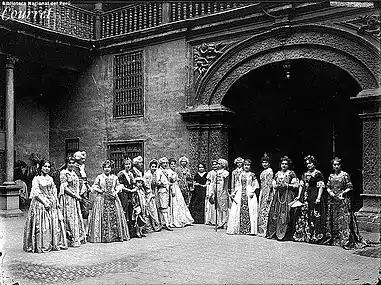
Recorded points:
(342,227)
(311,217)
(129,200)
(280,224)
(197,203)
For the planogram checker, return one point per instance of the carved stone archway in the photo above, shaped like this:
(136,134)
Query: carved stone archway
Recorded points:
(348,51)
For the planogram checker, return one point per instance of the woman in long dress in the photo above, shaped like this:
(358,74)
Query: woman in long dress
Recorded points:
(342,227)
(180,215)
(265,196)
(285,183)
(221,195)
(107,222)
(243,215)
(152,219)
(44,228)
(310,217)
(71,207)
(197,203)
(236,172)
(210,210)
(129,197)
(185,179)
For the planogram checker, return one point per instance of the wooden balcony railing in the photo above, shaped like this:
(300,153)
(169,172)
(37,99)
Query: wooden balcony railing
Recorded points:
(71,20)
(130,19)
(186,10)
(65,19)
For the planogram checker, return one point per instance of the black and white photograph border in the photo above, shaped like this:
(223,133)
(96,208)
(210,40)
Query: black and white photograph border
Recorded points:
(190,142)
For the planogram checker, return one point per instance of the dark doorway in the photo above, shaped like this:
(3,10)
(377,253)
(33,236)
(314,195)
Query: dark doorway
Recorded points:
(309,112)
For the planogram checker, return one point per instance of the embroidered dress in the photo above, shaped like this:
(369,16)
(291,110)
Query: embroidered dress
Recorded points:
(265,200)
(210,210)
(185,183)
(44,229)
(243,215)
(342,227)
(152,215)
(279,222)
(197,203)
(180,215)
(235,174)
(107,222)
(221,200)
(71,208)
(311,217)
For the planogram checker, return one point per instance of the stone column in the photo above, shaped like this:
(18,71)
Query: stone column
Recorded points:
(9,192)
(369,102)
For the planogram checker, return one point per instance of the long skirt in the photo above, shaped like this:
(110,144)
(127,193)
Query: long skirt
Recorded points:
(342,227)
(107,222)
(266,198)
(310,222)
(180,215)
(43,231)
(243,215)
(280,223)
(75,227)
(197,206)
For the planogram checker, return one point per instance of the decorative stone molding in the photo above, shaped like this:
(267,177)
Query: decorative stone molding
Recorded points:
(11,61)
(205,54)
(347,51)
(367,24)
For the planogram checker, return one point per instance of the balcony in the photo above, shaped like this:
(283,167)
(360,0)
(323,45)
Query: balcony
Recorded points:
(88,25)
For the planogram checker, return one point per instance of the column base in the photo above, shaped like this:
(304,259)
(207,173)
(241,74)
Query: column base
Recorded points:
(368,220)
(9,201)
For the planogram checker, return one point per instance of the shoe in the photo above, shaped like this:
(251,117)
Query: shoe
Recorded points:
(167,228)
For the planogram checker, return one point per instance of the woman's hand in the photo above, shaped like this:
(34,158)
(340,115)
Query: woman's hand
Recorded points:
(340,196)
(317,201)
(47,206)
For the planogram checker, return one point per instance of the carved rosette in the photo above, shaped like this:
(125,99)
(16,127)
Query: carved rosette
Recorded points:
(371,155)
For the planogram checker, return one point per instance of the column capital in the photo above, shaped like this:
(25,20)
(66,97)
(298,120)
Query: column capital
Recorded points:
(11,61)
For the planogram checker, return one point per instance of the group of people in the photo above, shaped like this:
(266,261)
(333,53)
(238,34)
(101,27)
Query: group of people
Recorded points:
(132,203)
(282,206)
(115,208)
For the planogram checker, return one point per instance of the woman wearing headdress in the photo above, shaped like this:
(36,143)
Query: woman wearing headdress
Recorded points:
(310,216)
(71,208)
(265,196)
(44,228)
(221,195)
(243,215)
(129,197)
(107,222)
(185,179)
(180,215)
(197,203)
(236,172)
(210,211)
(285,184)
(150,179)
(342,227)
(137,169)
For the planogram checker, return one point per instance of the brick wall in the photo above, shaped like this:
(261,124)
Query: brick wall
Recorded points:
(86,111)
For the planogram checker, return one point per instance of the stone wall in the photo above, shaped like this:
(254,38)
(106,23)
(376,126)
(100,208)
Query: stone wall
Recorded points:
(86,111)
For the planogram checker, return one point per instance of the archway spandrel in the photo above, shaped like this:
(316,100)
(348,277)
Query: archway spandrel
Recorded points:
(355,68)
(336,42)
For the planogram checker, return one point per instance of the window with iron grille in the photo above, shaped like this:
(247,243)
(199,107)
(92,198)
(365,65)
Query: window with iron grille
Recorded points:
(128,85)
(121,150)
(71,146)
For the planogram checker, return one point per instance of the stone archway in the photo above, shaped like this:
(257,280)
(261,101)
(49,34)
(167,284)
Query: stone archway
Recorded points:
(208,120)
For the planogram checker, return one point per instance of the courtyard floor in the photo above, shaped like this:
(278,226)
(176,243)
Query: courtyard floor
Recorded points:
(192,255)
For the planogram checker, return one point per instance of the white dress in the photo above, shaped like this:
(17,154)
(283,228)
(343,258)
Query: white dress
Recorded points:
(180,214)
(243,215)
